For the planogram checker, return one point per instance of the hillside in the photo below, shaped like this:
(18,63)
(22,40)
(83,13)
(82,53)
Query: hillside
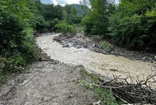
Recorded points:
(79,8)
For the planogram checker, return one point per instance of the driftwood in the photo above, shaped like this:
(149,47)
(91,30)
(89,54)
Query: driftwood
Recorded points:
(125,89)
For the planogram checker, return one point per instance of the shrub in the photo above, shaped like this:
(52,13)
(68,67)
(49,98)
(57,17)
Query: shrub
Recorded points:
(52,24)
(65,28)
(88,24)
(17,45)
(106,46)
(11,32)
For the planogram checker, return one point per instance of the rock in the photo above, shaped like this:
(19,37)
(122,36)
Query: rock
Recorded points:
(155,58)
(39,66)
(78,46)
(94,45)
(65,45)
(70,44)
(85,46)
(144,58)
(57,38)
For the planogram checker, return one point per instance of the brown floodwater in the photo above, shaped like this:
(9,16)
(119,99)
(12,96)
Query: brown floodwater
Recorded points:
(106,65)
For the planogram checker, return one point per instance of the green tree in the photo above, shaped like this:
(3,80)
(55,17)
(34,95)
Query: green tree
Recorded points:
(96,22)
(133,23)
(71,15)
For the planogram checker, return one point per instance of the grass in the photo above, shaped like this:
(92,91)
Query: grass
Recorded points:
(104,95)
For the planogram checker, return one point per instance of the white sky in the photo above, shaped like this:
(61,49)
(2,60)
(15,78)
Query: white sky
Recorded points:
(73,1)
(66,1)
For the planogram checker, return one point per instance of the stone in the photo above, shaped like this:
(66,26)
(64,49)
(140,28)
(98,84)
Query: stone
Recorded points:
(144,58)
(154,57)
(65,45)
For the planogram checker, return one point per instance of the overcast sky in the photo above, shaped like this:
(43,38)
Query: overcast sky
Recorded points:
(62,2)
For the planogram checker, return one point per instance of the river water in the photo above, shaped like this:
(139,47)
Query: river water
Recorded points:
(106,65)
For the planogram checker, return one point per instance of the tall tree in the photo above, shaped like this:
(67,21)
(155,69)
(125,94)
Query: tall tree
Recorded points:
(96,21)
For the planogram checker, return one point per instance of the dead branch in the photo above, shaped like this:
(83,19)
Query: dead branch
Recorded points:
(140,91)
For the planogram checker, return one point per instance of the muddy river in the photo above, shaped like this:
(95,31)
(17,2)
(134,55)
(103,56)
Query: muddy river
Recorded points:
(106,65)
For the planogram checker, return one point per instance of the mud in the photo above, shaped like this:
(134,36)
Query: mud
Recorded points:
(46,83)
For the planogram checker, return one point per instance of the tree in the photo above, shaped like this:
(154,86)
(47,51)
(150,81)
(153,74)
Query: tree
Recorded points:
(133,23)
(71,15)
(96,22)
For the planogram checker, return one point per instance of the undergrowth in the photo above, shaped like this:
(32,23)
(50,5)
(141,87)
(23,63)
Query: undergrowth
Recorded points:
(16,59)
(106,46)
(105,96)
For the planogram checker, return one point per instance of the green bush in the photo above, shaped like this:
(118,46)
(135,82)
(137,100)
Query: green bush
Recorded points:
(46,26)
(52,24)
(17,44)
(88,24)
(2,64)
(106,96)
(106,46)
(11,33)
(65,28)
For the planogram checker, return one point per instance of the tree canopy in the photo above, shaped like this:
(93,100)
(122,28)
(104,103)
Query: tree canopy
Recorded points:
(130,24)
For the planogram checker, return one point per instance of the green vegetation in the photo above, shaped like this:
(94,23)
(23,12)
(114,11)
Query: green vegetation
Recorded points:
(65,28)
(106,46)
(49,18)
(131,23)
(137,27)
(104,95)
(96,22)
